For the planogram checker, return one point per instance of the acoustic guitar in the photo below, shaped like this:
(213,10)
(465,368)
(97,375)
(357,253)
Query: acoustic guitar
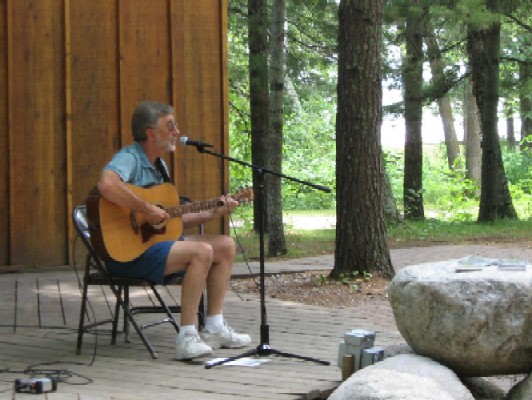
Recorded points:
(120,234)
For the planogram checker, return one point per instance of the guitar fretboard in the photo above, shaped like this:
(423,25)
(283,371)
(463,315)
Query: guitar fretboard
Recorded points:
(197,206)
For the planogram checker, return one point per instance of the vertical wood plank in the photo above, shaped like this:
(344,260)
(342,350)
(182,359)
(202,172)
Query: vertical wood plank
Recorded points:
(36,134)
(203,70)
(4,144)
(94,119)
(144,56)
(224,98)
(181,165)
(68,123)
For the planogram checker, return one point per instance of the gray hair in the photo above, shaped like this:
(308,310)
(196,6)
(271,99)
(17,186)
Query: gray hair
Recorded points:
(146,116)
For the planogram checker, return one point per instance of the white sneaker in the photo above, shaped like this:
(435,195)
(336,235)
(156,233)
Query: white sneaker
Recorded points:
(190,346)
(227,338)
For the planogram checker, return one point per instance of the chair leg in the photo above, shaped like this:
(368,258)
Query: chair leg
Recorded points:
(171,318)
(83,311)
(116,318)
(130,318)
(127,305)
(201,312)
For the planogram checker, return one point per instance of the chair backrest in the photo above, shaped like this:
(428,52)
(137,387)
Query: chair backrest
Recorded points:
(79,217)
(81,223)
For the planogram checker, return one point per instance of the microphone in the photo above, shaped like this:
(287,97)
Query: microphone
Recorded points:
(184,141)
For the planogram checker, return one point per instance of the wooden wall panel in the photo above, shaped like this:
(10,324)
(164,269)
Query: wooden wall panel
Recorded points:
(205,107)
(145,72)
(94,91)
(36,134)
(179,98)
(74,70)
(4,143)
(94,130)
(206,77)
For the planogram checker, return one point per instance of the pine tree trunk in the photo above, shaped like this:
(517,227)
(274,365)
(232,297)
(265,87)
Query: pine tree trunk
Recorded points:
(510,131)
(361,230)
(473,151)
(258,90)
(444,103)
(483,47)
(525,103)
(390,205)
(274,142)
(413,95)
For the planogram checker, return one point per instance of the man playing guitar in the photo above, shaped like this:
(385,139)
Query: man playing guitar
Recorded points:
(203,260)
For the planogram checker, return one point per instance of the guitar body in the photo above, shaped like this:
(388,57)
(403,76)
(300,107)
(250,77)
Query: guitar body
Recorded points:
(119,234)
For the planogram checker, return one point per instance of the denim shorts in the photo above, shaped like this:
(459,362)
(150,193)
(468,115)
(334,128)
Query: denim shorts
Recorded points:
(149,265)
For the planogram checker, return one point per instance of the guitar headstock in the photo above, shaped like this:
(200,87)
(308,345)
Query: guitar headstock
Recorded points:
(244,195)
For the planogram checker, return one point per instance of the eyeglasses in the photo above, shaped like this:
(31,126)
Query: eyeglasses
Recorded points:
(171,125)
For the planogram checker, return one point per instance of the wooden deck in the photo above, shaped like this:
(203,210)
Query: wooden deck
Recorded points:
(39,316)
(38,329)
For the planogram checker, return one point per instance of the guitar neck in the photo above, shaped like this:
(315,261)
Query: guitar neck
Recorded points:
(194,207)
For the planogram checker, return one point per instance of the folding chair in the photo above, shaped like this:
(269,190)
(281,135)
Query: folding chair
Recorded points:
(96,273)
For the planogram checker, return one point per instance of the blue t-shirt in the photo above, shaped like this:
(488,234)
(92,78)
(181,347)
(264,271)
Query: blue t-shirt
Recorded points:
(132,165)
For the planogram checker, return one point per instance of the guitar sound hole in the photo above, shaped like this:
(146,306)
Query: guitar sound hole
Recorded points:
(133,222)
(148,231)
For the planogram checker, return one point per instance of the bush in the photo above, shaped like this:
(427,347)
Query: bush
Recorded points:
(309,152)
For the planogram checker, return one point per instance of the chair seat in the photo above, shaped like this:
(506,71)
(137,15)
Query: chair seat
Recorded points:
(99,278)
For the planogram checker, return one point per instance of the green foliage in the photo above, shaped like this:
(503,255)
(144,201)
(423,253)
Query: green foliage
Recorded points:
(449,196)
(309,140)
(518,167)
(353,279)
(309,154)
(433,230)
(447,192)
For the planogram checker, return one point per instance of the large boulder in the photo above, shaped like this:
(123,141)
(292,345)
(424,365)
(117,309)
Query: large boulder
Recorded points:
(472,315)
(521,391)
(403,377)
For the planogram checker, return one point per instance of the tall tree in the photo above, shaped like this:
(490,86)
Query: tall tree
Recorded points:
(413,100)
(516,52)
(473,151)
(361,230)
(483,47)
(258,90)
(525,103)
(274,141)
(510,125)
(390,205)
(443,99)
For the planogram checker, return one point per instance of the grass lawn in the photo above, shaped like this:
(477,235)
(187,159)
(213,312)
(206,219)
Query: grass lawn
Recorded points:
(312,242)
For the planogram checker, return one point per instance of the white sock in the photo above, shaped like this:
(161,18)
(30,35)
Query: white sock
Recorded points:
(187,329)
(214,323)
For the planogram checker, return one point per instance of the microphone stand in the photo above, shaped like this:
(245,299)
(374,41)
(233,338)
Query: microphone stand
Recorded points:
(263,349)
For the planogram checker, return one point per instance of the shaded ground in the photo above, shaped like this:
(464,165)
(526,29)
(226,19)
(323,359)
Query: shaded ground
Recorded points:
(315,288)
